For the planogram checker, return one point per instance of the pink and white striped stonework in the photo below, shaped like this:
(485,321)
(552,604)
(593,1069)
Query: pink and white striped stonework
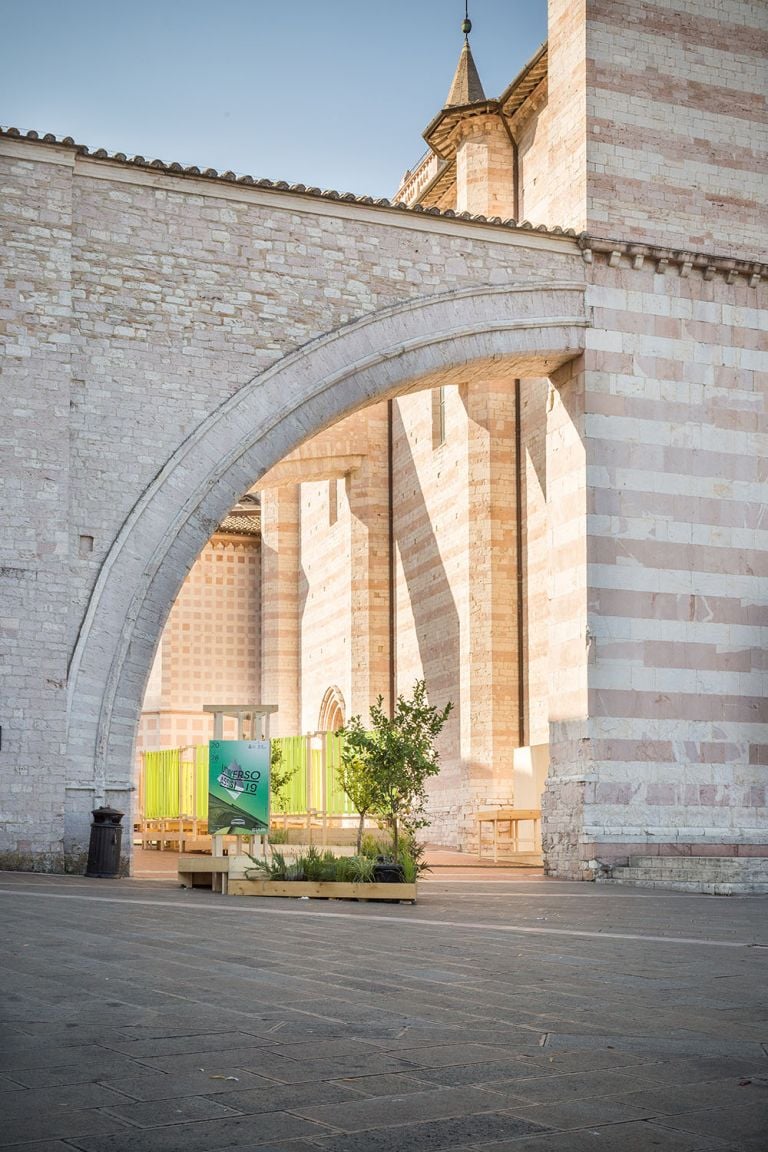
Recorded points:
(522,458)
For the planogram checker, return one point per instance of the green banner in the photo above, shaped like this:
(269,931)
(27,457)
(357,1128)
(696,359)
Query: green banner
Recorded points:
(238,787)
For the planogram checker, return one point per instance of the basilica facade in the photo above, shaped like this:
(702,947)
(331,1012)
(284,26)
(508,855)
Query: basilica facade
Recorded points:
(505,433)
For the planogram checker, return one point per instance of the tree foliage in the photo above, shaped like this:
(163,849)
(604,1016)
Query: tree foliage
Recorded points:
(394,757)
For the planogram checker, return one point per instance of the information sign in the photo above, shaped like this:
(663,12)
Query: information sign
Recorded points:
(238,787)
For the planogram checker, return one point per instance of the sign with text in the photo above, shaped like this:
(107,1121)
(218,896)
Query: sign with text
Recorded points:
(238,787)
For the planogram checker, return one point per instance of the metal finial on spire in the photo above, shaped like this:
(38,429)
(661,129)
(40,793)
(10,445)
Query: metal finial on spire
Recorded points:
(466,87)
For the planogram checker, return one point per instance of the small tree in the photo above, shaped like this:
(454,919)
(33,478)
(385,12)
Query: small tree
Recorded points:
(398,755)
(354,776)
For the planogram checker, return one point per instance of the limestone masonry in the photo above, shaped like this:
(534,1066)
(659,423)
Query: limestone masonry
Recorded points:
(506,432)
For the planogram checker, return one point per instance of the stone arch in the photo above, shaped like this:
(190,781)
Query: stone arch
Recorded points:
(332,711)
(509,330)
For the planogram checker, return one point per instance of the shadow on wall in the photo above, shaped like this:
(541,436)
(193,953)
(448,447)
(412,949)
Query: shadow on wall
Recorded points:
(436,619)
(535,550)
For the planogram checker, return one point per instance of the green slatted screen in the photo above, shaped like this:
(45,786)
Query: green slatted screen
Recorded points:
(201,780)
(170,777)
(161,784)
(294,796)
(338,803)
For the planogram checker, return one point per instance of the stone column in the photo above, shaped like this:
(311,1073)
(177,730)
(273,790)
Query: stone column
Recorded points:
(280,563)
(564,798)
(367,491)
(493,592)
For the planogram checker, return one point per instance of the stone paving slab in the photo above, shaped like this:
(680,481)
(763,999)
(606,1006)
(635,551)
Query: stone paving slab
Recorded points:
(582,1086)
(147,1085)
(557,1018)
(744,1121)
(68,1123)
(203,1136)
(378,1112)
(432,1135)
(638,1136)
(78,1069)
(175,1045)
(40,1101)
(40,1146)
(733,1094)
(701,1071)
(180,1110)
(485,1073)
(292,1097)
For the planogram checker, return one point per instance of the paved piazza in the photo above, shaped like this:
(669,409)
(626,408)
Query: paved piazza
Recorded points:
(503,1012)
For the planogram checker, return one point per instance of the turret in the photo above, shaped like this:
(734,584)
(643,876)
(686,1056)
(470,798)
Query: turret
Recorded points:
(473,130)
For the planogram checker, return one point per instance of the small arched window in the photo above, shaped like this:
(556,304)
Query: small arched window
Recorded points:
(331,711)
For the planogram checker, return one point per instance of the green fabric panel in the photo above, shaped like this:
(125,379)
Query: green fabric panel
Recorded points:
(201,780)
(294,795)
(339,803)
(161,784)
(316,778)
(187,787)
(168,778)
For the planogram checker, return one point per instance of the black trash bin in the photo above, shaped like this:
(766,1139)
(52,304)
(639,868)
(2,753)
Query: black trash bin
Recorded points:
(104,848)
(388,871)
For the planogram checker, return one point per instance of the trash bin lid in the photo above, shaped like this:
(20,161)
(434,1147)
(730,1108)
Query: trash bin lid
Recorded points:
(106,815)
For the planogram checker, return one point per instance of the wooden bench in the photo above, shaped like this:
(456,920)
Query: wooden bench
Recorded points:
(512,818)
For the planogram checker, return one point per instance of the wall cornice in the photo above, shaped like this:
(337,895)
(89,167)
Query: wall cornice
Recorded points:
(637,255)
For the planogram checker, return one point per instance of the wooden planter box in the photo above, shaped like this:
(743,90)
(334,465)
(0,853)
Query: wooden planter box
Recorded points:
(322,889)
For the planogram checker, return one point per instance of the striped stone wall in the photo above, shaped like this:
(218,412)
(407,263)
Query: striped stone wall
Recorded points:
(673,658)
(677,122)
(280,642)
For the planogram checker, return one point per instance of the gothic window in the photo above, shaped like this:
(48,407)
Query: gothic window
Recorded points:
(331,711)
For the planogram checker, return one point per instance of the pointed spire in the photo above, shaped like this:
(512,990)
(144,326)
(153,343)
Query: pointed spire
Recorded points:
(466,87)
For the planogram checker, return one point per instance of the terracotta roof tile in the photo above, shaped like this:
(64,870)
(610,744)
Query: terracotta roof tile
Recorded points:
(176,169)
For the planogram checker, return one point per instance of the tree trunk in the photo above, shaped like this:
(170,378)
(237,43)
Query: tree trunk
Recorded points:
(360,829)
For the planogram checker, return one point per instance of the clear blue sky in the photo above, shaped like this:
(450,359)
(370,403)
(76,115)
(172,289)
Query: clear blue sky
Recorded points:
(327,92)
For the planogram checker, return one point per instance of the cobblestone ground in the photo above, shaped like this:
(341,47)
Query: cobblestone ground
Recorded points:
(499,1013)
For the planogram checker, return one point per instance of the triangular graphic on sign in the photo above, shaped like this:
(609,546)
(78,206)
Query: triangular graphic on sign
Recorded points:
(230,780)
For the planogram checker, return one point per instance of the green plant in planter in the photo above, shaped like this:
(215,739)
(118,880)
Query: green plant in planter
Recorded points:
(314,866)
(271,868)
(412,857)
(361,868)
(344,870)
(371,847)
(318,865)
(410,868)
